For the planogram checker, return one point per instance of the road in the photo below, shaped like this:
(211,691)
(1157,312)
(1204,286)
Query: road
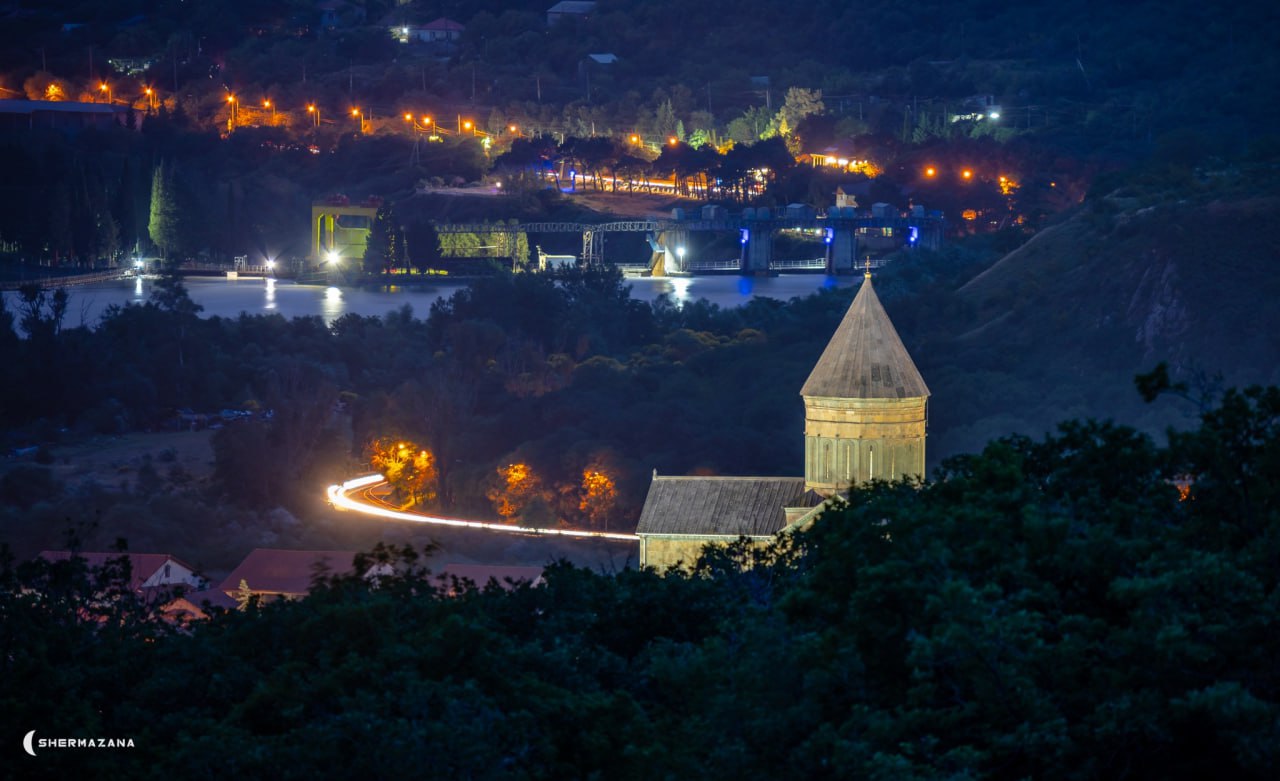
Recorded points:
(356,495)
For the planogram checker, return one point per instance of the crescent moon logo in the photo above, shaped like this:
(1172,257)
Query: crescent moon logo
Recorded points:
(26,743)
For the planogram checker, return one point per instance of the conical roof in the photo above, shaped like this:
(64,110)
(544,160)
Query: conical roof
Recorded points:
(865,358)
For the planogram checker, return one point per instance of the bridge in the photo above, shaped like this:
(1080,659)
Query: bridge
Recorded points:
(67,280)
(845,235)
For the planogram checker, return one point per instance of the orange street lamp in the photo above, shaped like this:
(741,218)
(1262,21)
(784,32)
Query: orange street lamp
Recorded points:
(359,115)
(967,174)
(930,171)
(231,100)
(151,97)
(672,141)
(105,87)
(515,131)
(266,103)
(635,139)
(314,112)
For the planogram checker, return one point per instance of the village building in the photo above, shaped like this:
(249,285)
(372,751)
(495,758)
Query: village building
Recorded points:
(152,575)
(866,413)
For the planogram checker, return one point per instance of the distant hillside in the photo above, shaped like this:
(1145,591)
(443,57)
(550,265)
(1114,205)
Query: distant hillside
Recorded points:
(1059,327)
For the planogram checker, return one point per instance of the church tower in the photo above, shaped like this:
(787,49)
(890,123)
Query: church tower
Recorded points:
(865,403)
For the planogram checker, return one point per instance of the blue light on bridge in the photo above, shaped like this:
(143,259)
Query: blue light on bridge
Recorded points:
(828,235)
(744,235)
(913,234)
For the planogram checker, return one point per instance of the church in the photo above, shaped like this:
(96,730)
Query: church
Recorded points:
(866,413)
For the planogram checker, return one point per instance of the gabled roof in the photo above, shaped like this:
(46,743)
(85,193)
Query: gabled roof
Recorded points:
(504,575)
(142,565)
(572,7)
(445,24)
(865,359)
(723,506)
(60,106)
(273,571)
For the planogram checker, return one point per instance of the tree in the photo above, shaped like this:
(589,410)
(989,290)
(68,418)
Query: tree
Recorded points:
(170,225)
(799,103)
(385,249)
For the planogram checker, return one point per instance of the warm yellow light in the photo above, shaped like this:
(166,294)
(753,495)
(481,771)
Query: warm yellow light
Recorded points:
(311,108)
(355,112)
(672,141)
(1004,179)
(512,128)
(231,98)
(427,120)
(467,124)
(930,171)
(103,86)
(635,139)
(967,174)
(147,90)
(408,117)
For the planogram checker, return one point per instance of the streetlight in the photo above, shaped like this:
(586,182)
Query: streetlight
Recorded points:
(332,256)
(359,115)
(151,98)
(672,140)
(315,113)
(105,87)
(635,139)
(966,174)
(680,254)
(930,171)
(231,123)
(266,103)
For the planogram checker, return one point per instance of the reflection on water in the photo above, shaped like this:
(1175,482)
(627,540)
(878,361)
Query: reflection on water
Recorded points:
(332,306)
(220,298)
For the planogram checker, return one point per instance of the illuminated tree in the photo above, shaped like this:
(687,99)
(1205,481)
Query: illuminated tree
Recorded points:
(518,491)
(408,467)
(599,496)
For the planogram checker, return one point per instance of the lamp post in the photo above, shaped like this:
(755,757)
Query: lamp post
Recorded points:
(151,98)
(266,103)
(231,121)
(105,87)
(359,116)
(680,254)
(314,111)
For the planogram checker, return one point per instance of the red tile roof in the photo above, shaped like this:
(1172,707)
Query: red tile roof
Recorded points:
(142,565)
(481,574)
(274,571)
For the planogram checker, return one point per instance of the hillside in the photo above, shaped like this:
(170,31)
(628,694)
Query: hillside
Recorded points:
(1059,327)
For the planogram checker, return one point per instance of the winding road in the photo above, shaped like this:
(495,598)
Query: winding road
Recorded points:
(356,495)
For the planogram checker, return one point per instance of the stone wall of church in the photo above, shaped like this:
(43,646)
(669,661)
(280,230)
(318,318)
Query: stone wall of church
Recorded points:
(663,552)
(850,441)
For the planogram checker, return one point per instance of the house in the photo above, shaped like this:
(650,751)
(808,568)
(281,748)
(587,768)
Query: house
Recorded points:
(60,114)
(569,9)
(150,574)
(865,416)
(196,606)
(847,193)
(442,30)
(270,573)
(481,575)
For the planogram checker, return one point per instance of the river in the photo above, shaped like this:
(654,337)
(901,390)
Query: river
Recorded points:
(229,298)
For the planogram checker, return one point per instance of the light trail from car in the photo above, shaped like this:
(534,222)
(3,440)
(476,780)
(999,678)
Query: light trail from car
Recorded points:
(339,496)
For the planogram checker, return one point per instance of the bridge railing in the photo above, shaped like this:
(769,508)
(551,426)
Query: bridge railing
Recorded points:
(68,280)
